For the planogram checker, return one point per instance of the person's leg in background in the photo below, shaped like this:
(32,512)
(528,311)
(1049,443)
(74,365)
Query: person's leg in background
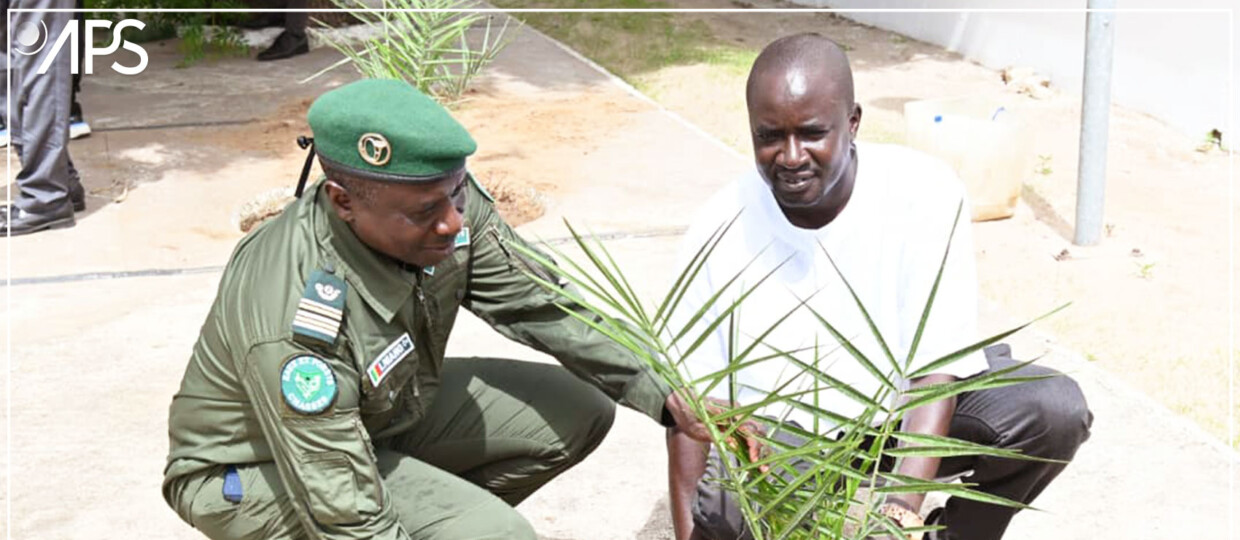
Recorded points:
(4,64)
(264,19)
(292,41)
(40,127)
(78,127)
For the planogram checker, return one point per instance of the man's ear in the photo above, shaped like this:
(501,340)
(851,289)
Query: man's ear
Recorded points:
(854,120)
(341,201)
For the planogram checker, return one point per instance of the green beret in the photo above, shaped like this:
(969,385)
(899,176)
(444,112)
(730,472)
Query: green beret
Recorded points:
(387,130)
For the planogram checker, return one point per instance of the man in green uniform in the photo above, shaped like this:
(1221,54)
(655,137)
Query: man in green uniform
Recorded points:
(318,403)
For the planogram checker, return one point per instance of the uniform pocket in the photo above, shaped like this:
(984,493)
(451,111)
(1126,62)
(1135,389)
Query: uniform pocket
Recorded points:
(335,466)
(333,489)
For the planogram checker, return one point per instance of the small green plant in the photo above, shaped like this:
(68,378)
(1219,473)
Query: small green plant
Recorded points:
(1145,270)
(428,49)
(202,35)
(1212,141)
(1044,165)
(779,499)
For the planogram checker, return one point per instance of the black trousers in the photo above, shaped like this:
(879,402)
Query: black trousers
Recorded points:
(294,22)
(1047,418)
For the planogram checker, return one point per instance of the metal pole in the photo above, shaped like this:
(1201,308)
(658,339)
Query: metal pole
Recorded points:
(1095,119)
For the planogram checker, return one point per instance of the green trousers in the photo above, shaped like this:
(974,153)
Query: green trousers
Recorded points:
(496,432)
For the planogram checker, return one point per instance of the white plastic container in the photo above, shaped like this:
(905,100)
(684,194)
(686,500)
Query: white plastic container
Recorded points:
(983,140)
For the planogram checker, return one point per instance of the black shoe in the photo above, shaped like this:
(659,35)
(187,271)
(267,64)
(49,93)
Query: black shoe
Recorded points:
(286,45)
(262,20)
(15,222)
(77,196)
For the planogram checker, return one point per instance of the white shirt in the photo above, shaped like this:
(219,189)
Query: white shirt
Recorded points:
(888,243)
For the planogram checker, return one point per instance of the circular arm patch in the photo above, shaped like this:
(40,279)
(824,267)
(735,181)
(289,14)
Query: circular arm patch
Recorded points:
(308,384)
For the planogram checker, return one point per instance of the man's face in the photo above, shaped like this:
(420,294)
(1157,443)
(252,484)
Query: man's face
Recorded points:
(802,134)
(413,223)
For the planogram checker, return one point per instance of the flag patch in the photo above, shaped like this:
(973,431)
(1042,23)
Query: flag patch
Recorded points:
(462,238)
(387,360)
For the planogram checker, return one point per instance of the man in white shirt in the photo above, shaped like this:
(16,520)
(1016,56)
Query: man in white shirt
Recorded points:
(884,214)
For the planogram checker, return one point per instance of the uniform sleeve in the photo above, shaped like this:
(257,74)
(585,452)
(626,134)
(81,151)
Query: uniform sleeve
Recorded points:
(325,458)
(953,317)
(502,294)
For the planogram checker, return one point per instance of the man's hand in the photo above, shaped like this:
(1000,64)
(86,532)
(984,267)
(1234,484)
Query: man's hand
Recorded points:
(692,426)
(686,420)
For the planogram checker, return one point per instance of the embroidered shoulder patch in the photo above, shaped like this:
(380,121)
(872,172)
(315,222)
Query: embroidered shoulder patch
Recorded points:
(308,384)
(321,308)
(387,360)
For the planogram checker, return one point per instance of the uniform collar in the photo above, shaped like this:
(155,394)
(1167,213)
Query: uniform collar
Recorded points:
(385,285)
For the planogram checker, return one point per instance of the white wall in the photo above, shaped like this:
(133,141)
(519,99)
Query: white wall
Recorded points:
(1174,66)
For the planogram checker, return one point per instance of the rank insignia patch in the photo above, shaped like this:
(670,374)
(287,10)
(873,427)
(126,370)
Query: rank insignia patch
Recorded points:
(308,384)
(321,308)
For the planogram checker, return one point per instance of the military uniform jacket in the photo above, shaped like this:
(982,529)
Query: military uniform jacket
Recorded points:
(384,346)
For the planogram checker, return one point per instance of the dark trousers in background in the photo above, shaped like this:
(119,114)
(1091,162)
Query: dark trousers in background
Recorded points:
(39,115)
(1047,418)
(294,22)
(75,109)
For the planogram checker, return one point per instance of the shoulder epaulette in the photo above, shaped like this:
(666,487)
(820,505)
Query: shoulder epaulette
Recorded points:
(321,308)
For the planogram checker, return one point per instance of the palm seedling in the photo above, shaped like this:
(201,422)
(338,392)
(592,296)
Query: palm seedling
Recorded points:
(826,487)
(423,42)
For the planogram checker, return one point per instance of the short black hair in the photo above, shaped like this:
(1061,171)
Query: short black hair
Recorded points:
(809,49)
(362,189)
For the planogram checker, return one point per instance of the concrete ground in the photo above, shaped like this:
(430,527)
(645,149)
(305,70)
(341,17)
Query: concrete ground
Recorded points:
(95,353)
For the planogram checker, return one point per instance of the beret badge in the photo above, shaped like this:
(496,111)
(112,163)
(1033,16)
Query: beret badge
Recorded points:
(374,149)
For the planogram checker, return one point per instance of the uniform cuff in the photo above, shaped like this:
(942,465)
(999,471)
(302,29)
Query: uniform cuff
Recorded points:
(647,394)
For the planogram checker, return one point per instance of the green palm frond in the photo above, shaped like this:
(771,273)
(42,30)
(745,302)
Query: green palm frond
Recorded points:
(796,491)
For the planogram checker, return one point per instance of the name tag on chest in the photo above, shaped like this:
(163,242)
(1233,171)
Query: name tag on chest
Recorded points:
(387,360)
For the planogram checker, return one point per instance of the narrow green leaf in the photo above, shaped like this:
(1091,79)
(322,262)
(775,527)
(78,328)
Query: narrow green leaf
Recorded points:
(948,359)
(864,313)
(995,379)
(687,275)
(934,289)
(865,362)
